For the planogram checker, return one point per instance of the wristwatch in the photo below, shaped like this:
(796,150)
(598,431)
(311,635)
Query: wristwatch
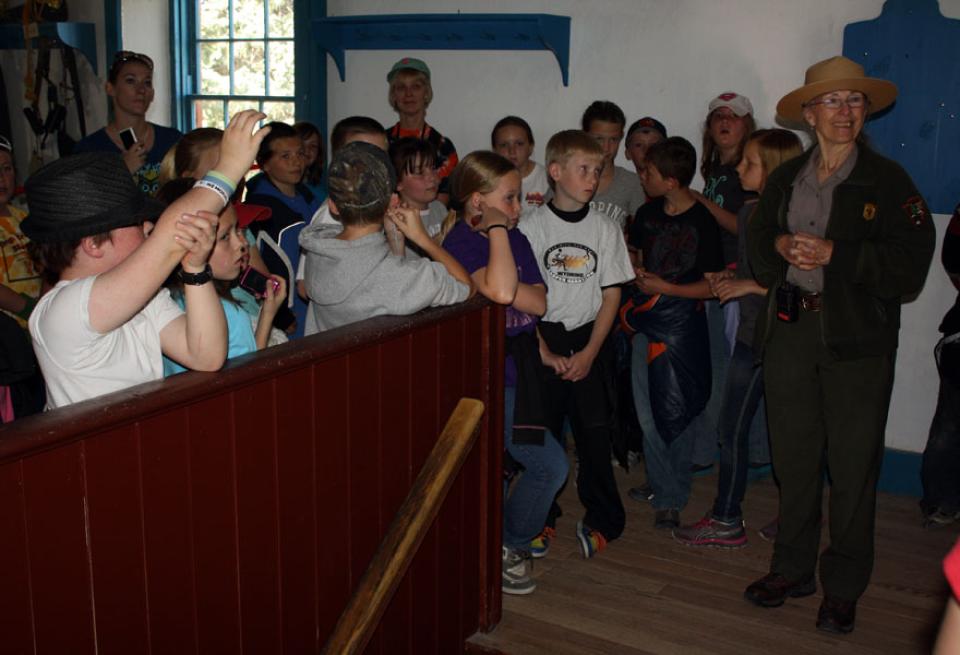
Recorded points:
(197,279)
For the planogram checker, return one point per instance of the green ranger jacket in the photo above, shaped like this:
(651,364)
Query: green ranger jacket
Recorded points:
(883,240)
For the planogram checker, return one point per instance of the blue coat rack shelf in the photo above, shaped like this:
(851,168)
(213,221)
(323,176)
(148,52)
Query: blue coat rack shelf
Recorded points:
(82,36)
(336,34)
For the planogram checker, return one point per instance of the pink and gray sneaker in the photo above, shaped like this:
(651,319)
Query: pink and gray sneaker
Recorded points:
(712,533)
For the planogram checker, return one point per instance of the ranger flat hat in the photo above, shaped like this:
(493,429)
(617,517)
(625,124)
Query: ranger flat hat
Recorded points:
(836,74)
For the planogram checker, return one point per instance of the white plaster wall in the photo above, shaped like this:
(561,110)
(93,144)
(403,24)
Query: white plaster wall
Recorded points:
(146,29)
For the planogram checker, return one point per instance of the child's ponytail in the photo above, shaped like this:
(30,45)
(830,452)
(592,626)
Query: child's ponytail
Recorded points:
(448,222)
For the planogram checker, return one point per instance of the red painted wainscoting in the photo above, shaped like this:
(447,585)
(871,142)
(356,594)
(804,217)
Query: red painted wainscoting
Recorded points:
(234,511)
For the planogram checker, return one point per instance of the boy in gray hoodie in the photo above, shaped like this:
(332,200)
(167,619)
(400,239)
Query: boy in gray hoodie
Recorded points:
(350,272)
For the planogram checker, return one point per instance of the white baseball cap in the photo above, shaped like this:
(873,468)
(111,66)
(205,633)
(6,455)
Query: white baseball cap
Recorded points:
(738,104)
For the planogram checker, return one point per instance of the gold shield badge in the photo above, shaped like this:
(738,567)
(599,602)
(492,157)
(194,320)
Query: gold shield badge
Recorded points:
(869,211)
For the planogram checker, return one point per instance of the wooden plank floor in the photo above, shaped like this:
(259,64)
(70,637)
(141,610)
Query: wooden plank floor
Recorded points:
(649,594)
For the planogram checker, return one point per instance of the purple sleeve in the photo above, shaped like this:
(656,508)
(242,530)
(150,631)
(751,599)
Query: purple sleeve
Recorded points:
(529,272)
(467,247)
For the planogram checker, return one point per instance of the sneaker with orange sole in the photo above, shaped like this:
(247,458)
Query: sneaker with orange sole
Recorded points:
(540,545)
(591,541)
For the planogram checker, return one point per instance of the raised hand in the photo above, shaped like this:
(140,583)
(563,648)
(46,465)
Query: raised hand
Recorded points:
(274,296)
(409,223)
(197,234)
(491,216)
(240,143)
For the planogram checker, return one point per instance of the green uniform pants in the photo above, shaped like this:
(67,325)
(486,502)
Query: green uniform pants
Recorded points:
(825,413)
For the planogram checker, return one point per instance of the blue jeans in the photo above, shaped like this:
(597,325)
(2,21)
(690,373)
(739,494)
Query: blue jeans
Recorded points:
(668,465)
(741,398)
(525,509)
(721,321)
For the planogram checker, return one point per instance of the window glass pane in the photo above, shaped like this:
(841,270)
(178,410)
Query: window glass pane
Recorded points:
(233,56)
(281,68)
(248,69)
(247,19)
(279,111)
(214,69)
(236,106)
(212,15)
(208,113)
(281,18)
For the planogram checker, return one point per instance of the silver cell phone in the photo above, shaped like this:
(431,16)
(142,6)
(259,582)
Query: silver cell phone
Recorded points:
(128,137)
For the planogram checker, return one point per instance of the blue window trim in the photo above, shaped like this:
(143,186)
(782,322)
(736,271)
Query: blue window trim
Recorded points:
(310,79)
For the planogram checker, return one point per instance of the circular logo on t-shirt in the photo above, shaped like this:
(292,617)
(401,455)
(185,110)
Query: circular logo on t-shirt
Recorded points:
(570,262)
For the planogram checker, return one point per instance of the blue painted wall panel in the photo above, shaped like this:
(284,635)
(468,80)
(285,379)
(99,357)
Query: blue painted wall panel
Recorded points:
(918,49)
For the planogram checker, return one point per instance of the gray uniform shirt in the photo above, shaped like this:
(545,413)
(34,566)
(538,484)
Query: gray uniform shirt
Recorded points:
(809,211)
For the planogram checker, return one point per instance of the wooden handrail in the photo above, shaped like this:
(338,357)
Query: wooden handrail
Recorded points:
(381,579)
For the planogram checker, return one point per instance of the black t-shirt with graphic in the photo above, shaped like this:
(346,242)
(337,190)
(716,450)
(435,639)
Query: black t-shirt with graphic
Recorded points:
(680,248)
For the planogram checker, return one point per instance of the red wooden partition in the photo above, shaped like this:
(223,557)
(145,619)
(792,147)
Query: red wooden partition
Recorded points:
(234,511)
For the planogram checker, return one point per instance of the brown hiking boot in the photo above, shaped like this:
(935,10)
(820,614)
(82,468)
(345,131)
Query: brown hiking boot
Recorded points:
(773,588)
(836,616)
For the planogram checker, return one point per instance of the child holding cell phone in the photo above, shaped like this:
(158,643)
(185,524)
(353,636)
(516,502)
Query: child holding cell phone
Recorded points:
(230,263)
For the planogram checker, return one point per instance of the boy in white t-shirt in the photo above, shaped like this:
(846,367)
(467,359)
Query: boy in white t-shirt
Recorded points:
(583,258)
(104,325)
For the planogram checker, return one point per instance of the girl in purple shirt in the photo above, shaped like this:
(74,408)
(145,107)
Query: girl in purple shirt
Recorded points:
(485,193)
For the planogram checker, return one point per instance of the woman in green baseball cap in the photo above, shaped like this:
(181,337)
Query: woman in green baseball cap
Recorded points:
(410,95)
